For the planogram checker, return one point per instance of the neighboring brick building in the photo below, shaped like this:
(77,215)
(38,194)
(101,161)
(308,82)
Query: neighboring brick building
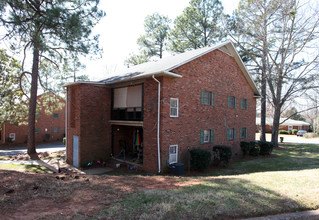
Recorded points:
(286,124)
(49,127)
(207,98)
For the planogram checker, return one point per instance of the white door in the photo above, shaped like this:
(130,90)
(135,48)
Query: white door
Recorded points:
(76,151)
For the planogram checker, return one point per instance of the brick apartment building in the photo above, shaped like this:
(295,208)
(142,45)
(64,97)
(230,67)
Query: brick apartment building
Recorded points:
(48,127)
(154,112)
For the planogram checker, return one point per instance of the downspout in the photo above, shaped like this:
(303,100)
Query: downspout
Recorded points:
(66,123)
(158,123)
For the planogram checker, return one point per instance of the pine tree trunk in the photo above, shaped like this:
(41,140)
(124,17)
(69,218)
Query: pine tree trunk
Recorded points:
(32,105)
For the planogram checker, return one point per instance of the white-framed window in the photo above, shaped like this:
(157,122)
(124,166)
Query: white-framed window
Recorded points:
(206,136)
(12,136)
(173,153)
(243,133)
(290,127)
(174,107)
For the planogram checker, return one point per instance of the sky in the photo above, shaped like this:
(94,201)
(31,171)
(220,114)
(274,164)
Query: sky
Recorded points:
(124,23)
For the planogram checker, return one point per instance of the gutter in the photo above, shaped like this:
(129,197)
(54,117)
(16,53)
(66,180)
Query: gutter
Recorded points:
(158,123)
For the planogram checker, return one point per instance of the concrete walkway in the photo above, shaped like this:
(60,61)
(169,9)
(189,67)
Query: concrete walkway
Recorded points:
(308,215)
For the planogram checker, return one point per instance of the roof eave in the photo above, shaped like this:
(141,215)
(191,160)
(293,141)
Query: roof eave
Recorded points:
(160,73)
(83,82)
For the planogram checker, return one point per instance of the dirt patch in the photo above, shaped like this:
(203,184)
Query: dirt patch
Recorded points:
(55,196)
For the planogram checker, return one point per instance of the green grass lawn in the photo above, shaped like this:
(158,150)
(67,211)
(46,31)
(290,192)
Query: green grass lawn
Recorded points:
(287,182)
(24,168)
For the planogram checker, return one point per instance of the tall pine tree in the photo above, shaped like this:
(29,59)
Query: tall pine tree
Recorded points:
(49,28)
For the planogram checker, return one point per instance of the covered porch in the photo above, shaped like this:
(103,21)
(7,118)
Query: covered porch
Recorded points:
(127,142)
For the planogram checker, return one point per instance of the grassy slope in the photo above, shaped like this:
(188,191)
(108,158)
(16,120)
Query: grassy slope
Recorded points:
(286,183)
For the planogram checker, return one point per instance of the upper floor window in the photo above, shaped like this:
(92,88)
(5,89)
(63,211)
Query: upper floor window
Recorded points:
(232,102)
(38,130)
(56,115)
(244,104)
(38,115)
(127,103)
(174,107)
(56,130)
(207,98)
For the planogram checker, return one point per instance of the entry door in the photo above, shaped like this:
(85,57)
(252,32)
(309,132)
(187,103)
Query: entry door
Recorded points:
(76,151)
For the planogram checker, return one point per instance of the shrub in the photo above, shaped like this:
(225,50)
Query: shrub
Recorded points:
(294,131)
(254,148)
(265,147)
(200,159)
(245,147)
(283,132)
(221,154)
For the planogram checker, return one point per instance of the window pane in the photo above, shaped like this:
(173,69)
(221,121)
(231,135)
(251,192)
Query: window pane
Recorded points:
(206,98)
(206,136)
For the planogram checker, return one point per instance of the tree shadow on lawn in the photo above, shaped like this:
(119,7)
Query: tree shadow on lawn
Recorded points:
(224,198)
(286,158)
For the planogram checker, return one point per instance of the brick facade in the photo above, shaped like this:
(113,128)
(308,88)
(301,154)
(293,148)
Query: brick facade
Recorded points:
(215,72)
(48,128)
(88,118)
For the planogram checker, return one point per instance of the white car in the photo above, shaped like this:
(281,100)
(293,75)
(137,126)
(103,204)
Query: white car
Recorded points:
(301,133)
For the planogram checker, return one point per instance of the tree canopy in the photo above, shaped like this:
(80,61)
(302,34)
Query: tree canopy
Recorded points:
(152,43)
(278,35)
(198,26)
(12,108)
(50,29)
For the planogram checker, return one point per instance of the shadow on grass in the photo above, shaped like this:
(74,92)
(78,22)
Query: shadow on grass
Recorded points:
(224,198)
(36,169)
(287,157)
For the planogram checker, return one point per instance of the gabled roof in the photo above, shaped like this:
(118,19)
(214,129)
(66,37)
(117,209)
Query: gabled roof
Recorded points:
(163,67)
(269,121)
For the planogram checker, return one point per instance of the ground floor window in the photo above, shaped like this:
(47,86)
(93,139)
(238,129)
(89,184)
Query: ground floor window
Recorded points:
(173,153)
(290,127)
(243,133)
(206,136)
(231,134)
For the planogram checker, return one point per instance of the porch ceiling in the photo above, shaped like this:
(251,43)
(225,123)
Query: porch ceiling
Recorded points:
(127,123)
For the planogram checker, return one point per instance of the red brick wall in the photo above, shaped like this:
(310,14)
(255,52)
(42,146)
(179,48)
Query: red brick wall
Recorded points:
(45,123)
(303,127)
(215,72)
(89,110)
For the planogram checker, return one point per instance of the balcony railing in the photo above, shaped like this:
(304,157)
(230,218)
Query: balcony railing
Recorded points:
(127,114)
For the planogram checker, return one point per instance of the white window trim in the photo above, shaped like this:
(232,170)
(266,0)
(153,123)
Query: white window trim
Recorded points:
(173,155)
(207,135)
(173,116)
(290,127)
(12,136)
